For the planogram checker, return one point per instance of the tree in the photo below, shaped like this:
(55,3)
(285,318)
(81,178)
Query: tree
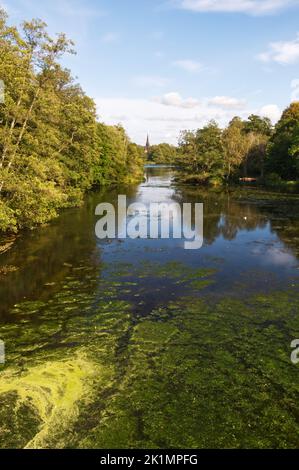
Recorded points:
(258,125)
(36,55)
(235,144)
(163,154)
(187,151)
(114,146)
(258,130)
(135,162)
(210,151)
(52,149)
(202,152)
(282,154)
(294,150)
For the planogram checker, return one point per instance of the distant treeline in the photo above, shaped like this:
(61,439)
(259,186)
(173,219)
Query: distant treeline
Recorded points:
(163,154)
(52,148)
(246,148)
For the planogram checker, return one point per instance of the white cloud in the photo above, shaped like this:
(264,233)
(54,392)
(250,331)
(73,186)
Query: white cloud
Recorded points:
(176,100)
(282,52)
(110,37)
(149,81)
(188,65)
(227,102)
(163,123)
(252,7)
(163,118)
(270,111)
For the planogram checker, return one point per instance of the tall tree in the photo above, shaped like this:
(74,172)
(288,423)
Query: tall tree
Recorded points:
(258,130)
(163,154)
(235,144)
(202,152)
(37,55)
(282,157)
(52,149)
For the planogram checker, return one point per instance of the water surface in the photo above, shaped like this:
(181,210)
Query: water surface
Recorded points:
(136,343)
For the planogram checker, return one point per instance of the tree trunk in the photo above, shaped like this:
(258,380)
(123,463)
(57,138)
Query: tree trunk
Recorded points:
(22,132)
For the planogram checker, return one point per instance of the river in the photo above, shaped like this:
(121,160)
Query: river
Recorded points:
(141,343)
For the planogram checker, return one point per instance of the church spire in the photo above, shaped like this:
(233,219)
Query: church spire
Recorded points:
(147,145)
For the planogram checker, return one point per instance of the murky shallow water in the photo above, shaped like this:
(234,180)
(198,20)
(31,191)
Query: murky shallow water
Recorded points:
(140,343)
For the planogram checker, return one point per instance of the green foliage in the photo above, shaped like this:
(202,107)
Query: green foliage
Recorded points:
(273,180)
(203,152)
(163,154)
(135,162)
(257,132)
(52,149)
(114,144)
(218,156)
(283,150)
(248,148)
(7,218)
(121,160)
(235,145)
(210,149)
(258,125)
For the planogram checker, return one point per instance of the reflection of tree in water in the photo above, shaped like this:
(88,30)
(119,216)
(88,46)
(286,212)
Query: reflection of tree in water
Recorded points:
(47,255)
(289,235)
(284,221)
(159,171)
(223,216)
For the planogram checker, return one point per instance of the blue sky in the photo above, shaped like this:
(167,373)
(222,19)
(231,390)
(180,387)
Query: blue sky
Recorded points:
(159,66)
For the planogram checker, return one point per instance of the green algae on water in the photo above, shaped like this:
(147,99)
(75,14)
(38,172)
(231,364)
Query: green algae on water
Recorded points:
(83,371)
(44,400)
(203,377)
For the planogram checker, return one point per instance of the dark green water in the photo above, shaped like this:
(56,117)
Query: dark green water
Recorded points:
(140,343)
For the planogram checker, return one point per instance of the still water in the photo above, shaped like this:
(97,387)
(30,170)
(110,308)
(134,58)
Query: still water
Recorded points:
(140,343)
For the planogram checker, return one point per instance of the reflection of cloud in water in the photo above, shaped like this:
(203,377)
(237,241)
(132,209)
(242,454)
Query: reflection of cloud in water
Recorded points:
(280,257)
(276,256)
(148,195)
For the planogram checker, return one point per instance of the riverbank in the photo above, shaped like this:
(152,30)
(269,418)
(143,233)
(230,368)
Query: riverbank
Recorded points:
(270,184)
